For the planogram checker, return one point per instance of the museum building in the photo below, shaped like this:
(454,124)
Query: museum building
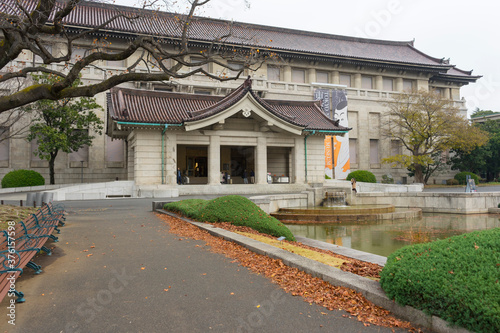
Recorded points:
(313,110)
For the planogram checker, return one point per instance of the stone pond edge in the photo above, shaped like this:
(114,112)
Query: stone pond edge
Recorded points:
(370,289)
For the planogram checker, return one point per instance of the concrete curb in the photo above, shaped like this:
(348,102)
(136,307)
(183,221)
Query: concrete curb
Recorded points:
(370,289)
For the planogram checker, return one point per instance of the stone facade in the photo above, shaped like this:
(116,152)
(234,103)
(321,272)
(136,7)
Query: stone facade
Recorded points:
(368,83)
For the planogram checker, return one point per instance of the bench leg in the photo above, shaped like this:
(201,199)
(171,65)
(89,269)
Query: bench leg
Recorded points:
(54,238)
(20,296)
(35,267)
(46,250)
(58,230)
(61,223)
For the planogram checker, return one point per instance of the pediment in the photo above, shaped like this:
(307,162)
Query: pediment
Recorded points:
(246,108)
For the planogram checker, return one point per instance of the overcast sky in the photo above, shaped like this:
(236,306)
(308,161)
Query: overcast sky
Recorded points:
(467,32)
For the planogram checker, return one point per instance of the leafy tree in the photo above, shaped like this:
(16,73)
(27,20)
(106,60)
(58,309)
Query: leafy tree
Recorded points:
(438,164)
(484,160)
(64,125)
(427,125)
(25,26)
(479,113)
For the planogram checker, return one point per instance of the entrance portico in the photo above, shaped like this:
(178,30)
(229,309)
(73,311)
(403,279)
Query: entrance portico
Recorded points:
(204,136)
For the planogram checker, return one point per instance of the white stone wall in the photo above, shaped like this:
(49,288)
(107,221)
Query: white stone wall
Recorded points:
(362,103)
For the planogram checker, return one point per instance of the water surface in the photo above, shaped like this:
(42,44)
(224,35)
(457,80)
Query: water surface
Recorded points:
(384,237)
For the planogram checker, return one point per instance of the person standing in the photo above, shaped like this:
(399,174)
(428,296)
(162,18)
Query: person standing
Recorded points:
(353,185)
(179,176)
(245,177)
(252,177)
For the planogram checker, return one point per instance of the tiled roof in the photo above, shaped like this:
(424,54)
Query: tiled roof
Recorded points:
(165,25)
(148,107)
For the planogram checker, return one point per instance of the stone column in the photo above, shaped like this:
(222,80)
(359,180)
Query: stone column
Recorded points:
(311,75)
(298,160)
(357,81)
(379,82)
(261,161)
(287,74)
(147,158)
(335,77)
(399,84)
(214,160)
(423,84)
(170,158)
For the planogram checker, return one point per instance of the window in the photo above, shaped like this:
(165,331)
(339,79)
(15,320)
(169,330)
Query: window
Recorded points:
(195,61)
(388,84)
(408,85)
(353,151)
(395,147)
(114,63)
(34,147)
(163,88)
(202,92)
(374,156)
(439,91)
(38,59)
(298,75)
(4,144)
(78,53)
(238,66)
(81,154)
(345,79)
(366,82)
(114,150)
(273,73)
(322,77)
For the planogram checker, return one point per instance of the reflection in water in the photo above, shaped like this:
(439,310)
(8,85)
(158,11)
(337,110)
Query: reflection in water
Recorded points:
(384,237)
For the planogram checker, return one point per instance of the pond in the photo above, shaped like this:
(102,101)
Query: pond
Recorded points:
(386,236)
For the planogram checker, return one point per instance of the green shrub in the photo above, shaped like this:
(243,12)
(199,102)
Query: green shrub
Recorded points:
(22,178)
(234,209)
(452,181)
(362,176)
(456,279)
(461,177)
(189,208)
(327,177)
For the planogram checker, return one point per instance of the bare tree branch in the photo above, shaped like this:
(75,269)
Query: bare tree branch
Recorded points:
(28,26)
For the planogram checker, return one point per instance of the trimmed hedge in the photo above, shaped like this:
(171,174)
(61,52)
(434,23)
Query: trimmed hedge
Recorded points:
(362,176)
(234,209)
(456,279)
(22,178)
(461,177)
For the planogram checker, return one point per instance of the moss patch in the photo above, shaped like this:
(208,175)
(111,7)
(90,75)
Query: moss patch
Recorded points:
(234,209)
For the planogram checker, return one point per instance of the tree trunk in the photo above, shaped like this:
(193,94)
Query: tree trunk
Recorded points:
(419,176)
(51,167)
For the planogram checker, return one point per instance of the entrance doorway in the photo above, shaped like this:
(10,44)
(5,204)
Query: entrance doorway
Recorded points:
(236,160)
(193,162)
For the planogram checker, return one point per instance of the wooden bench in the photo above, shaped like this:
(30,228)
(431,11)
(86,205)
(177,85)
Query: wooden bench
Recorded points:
(21,242)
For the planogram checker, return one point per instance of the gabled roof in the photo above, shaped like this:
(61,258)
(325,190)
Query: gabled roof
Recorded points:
(296,43)
(154,107)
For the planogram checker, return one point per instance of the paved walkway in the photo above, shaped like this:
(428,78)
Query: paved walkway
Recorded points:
(118,269)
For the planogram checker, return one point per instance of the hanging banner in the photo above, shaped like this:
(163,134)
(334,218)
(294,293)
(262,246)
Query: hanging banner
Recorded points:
(342,162)
(329,157)
(323,95)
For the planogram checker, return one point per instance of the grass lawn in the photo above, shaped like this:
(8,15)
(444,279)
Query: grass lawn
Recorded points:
(14,213)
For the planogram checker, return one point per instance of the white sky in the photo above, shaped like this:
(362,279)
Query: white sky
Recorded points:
(467,32)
